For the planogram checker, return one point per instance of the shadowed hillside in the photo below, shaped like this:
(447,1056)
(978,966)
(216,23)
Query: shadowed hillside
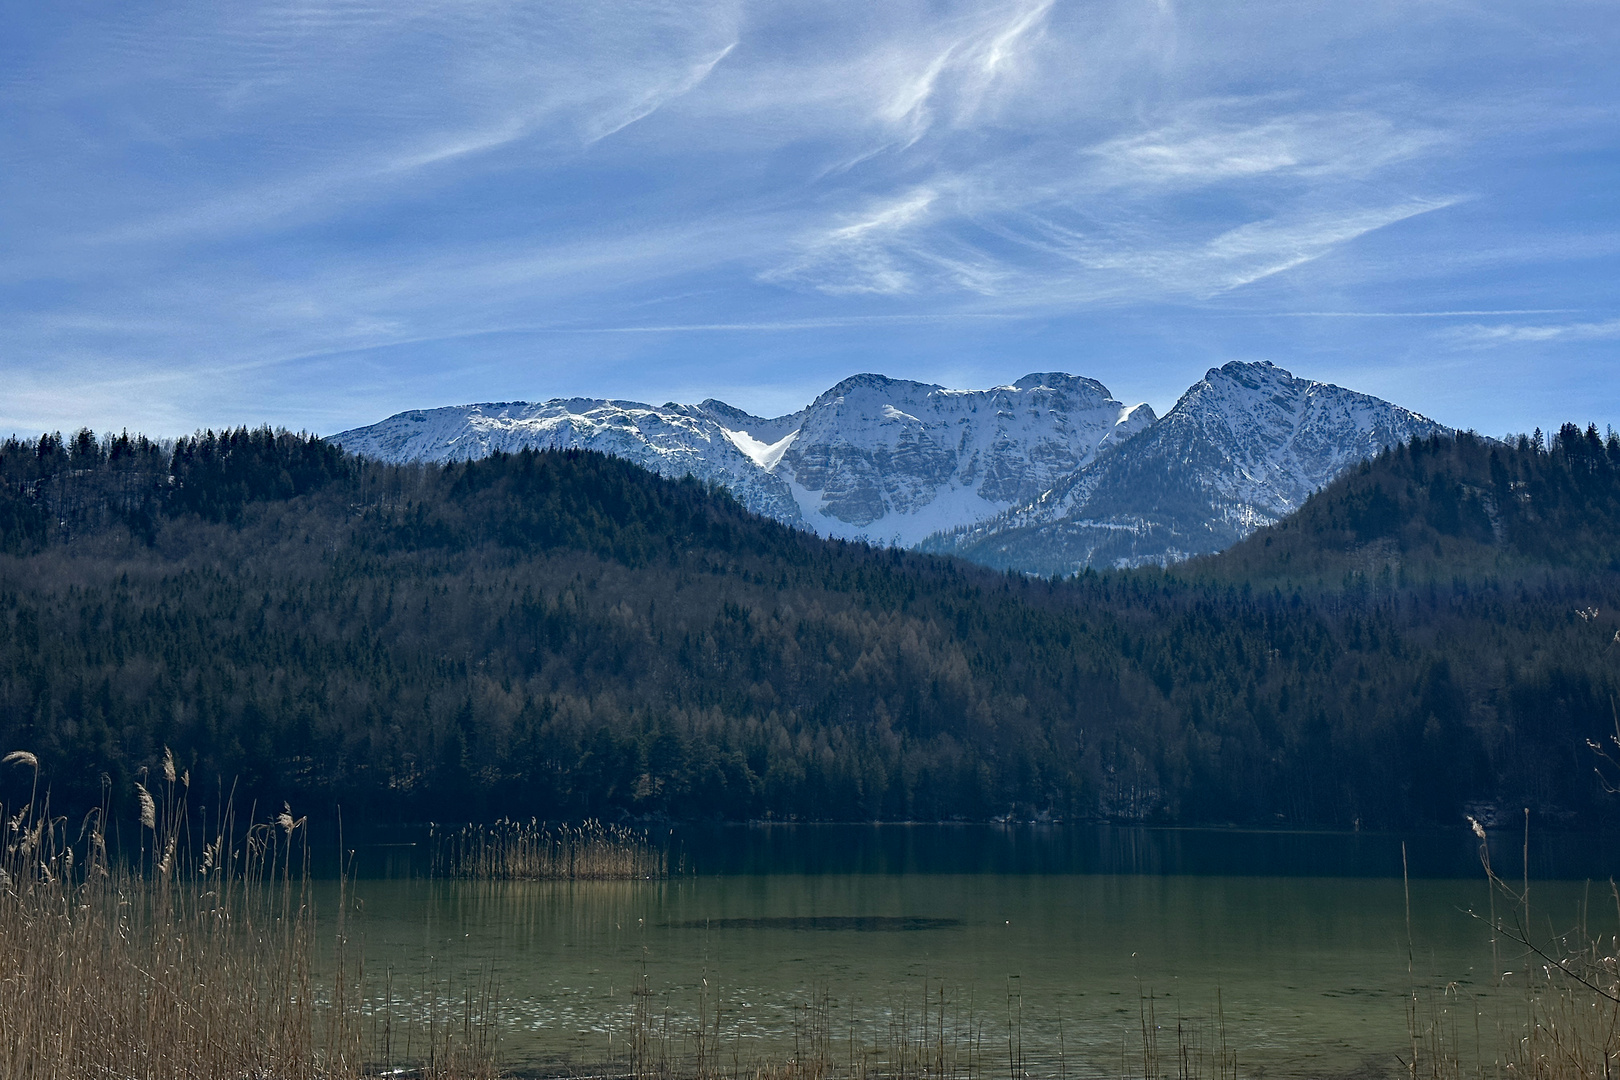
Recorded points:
(1449,506)
(565,634)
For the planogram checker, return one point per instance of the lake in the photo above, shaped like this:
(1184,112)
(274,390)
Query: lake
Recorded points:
(1050,951)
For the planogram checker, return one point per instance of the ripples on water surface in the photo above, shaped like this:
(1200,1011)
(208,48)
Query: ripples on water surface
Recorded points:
(1051,937)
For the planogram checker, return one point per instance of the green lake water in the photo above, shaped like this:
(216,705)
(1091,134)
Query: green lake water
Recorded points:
(1050,957)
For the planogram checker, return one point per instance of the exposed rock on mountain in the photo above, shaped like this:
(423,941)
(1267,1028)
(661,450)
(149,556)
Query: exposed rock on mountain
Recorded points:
(1242,448)
(1048,475)
(873,458)
(673,440)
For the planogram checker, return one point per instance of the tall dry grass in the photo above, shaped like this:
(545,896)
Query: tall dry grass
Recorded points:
(1571,979)
(174,961)
(534,850)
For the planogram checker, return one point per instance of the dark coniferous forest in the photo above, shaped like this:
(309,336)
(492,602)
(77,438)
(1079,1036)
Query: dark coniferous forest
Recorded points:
(564,634)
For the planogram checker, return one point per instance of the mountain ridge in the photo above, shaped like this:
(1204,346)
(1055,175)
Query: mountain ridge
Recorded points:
(1023,476)
(1241,449)
(872,458)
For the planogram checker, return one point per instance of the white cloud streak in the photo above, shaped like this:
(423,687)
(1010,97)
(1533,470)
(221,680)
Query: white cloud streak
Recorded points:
(189,184)
(1519,334)
(1398,314)
(965,72)
(919,242)
(655,98)
(1206,146)
(1260,249)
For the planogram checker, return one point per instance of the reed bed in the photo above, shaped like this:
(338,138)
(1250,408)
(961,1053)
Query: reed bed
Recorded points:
(171,962)
(534,850)
(1573,1027)
(1570,1017)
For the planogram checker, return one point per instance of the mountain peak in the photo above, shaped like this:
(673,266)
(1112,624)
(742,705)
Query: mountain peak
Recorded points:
(873,458)
(1062,380)
(868,380)
(1240,449)
(1251,373)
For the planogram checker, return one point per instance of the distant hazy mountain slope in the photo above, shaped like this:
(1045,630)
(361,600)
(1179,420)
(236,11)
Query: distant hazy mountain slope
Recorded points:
(1242,448)
(873,458)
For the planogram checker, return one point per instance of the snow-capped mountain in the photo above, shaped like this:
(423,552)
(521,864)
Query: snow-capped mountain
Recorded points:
(873,458)
(1242,448)
(893,461)
(1047,475)
(675,440)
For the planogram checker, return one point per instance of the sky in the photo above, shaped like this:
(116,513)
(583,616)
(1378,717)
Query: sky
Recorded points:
(315,215)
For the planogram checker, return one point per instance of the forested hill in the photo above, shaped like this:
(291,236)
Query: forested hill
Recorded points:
(565,634)
(1451,506)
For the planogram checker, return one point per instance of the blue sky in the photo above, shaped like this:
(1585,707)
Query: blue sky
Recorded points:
(318,214)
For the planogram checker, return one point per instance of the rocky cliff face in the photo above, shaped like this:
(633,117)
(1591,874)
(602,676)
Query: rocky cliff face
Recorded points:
(879,459)
(893,461)
(1242,448)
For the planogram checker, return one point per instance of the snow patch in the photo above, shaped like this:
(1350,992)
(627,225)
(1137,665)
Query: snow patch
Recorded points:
(765,455)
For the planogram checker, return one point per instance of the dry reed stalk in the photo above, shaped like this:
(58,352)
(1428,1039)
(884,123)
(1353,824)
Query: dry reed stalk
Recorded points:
(1564,1026)
(174,965)
(537,851)
(1571,1027)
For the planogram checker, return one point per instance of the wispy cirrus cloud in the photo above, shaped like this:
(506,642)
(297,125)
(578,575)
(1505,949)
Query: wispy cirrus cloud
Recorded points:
(272,185)
(1213,143)
(293,112)
(1027,244)
(1280,181)
(866,255)
(1243,255)
(1520,334)
(654,98)
(984,55)
(1454,314)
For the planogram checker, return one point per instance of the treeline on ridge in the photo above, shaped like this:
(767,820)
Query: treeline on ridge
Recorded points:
(564,634)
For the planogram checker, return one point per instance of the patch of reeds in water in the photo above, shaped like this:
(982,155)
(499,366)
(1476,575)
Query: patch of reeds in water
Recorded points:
(534,850)
(176,963)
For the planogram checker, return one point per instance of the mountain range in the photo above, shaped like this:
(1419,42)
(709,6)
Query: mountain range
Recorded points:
(1047,475)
